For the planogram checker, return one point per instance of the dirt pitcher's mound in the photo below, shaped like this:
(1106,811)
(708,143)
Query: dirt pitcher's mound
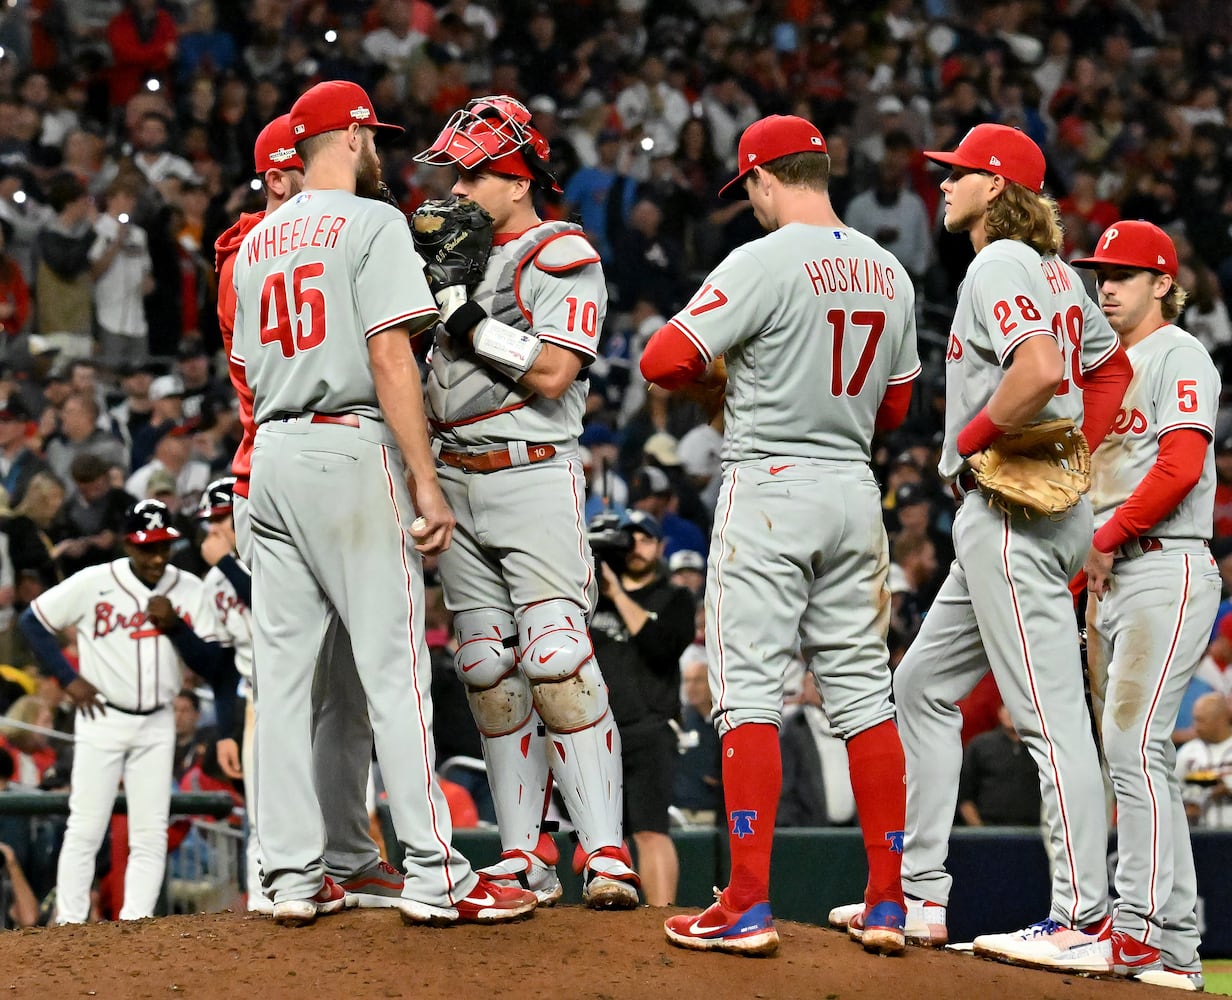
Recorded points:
(563,953)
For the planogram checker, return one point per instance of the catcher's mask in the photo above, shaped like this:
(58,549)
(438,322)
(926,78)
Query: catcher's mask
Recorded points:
(493,133)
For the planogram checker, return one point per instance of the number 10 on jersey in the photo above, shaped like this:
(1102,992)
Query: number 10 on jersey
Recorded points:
(303,329)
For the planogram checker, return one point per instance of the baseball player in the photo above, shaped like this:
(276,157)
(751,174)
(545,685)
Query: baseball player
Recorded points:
(506,394)
(342,743)
(817,326)
(135,624)
(1027,344)
(1156,590)
(329,291)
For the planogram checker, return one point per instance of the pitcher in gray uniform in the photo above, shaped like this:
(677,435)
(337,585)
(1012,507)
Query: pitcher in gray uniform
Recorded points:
(1155,592)
(1027,344)
(506,396)
(329,290)
(816,323)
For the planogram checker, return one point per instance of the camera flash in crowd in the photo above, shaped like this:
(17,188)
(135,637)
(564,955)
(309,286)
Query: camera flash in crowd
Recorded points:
(647,144)
(19,197)
(122,218)
(255,184)
(331,36)
(152,85)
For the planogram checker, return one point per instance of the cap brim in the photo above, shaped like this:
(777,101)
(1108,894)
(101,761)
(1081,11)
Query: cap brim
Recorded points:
(1113,262)
(734,190)
(153,537)
(950,160)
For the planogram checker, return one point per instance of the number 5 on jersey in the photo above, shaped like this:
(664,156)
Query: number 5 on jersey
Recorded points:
(306,328)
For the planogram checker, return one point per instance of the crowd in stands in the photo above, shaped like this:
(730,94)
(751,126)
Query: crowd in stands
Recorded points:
(126,131)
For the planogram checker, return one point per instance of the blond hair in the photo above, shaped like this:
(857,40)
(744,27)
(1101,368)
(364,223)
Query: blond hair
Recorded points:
(1171,305)
(38,502)
(25,709)
(1020,214)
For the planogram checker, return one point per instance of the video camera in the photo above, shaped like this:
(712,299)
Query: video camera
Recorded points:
(610,540)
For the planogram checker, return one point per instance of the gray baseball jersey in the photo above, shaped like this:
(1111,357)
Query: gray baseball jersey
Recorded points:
(1006,602)
(1011,294)
(546,280)
(1147,636)
(1175,386)
(813,324)
(291,288)
(330,521)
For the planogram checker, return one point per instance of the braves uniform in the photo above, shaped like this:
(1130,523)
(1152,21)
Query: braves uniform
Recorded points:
(313,281)
(1148,633)
(137,671)
(342,757)
(521,596)
(1006,603)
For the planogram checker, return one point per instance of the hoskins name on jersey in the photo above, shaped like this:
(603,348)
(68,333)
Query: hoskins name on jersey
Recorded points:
(850,274)
(295,234)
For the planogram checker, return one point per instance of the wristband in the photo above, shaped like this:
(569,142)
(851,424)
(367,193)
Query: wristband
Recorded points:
(464,319)
(978,434)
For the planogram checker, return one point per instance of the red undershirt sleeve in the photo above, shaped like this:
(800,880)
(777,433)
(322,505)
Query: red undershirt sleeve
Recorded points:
(894,405)
(670,359)
(1182,454)
(1103,388)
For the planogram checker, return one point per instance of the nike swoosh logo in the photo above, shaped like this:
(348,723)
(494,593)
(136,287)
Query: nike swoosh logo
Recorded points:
(547,656)
(468,666)
(488,900)
(697,928)
(776,469)
(1131,957)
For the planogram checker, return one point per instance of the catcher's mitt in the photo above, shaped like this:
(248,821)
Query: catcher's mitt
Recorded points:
(709,389)
(454,237)
(1043,468)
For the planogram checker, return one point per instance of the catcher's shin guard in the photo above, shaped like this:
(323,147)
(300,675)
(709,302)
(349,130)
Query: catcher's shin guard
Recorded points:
(583,742)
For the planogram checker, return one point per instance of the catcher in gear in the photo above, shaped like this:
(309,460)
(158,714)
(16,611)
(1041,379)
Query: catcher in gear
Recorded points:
(506,393)
(1027,346)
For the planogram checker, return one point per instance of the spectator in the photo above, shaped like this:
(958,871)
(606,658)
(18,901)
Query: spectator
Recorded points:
(80,435)
(64,306)
(30,544)
(687,569)
(193,365)
(728,111)
(651,108)
(132,414)
(121,269)
(915,560)
(893,214)
(166,397)
(203,48)
(651,492)
(18,905)
(816,779)
(1204,765)
(172,455)
(640,627)
(14,292)
(395,43)
(594,193)
(142,39)
(91,522)
(31,752)
(191,741)
(999,783)
(1206,315)
(1223,488)
(698,789)
(18,463)
(646,264)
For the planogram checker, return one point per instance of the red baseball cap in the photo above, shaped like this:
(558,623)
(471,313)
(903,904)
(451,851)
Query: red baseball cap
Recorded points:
(333,105)
(768,139)
(998,149)
(1134,243)
(275,147)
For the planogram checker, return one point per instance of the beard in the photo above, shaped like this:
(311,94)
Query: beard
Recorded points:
(368,175)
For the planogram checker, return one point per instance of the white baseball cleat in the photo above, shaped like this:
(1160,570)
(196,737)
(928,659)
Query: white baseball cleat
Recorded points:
(301,912)
(1051,945)
(925,927)
(529,871)
(488,902)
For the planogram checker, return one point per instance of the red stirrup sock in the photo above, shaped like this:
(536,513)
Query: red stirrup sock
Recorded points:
(752,780)
(875,759)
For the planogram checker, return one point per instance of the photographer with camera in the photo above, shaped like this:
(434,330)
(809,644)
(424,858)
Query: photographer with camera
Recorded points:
(641,626)
(19,906)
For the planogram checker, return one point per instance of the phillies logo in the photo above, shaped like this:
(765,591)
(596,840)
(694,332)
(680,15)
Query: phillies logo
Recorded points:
(1129,422)
(108,620)
(954,350)
(742,822)
(1109,236)
(226,603)
(895,837)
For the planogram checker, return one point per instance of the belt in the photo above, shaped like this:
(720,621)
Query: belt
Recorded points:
(964,483)
(502,458)
(345,419)
(1143,544)
(138,711)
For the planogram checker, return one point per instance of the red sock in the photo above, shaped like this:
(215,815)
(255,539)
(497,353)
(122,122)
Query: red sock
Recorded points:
(752,780)
(875,759)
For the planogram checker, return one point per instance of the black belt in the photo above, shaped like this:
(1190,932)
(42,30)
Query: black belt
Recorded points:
(138,711)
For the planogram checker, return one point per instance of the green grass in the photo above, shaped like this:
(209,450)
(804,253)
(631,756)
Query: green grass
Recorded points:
(1218,976)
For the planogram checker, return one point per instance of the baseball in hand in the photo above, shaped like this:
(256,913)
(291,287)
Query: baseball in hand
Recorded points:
(419,524)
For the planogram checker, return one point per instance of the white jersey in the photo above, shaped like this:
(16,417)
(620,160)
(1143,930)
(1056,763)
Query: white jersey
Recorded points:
(1197,755)
(131,663)
(814,323)
(1010,294)
(313,281)
(228,618)
(1175,386)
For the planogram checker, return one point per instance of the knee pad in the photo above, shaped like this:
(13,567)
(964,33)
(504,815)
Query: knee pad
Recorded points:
(559,661)
(486,663)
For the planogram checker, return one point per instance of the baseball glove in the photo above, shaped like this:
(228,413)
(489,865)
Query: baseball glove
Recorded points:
(1043,468)
(709,389)
(454,237)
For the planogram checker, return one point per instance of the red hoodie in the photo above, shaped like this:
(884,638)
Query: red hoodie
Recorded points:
(224,262)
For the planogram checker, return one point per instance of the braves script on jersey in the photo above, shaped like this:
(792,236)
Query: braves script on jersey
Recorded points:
(132,663)
(228,618)
(1175,386)
(801,307)
(292,270)
(1010,294)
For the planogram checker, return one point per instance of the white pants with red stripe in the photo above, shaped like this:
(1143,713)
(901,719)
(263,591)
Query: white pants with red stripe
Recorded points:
(1006,605)
(1145,640)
